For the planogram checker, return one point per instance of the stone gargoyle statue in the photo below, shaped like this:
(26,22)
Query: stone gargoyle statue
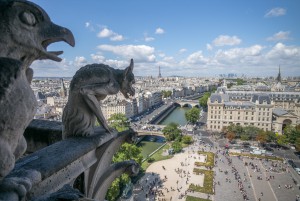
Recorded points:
(91,84)
(25,33)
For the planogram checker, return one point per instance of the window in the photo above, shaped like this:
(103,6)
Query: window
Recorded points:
(230,117)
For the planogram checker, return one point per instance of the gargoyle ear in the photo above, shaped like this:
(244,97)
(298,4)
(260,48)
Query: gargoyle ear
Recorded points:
(129,68)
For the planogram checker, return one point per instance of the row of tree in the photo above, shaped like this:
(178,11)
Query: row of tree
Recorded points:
(291,134)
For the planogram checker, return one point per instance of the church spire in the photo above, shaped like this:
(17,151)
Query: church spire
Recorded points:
(278,79)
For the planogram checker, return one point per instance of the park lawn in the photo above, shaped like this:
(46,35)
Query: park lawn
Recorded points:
(210,162)
(191,198)
(208,181)
(256,156)
(157,157)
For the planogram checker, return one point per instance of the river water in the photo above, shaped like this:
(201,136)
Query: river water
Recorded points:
(177,116)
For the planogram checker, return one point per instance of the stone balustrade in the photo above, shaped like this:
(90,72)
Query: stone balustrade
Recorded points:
(82,161)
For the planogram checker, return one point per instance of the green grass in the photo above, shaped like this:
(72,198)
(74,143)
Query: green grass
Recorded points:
(191,198)
(257,156)
(157,157)
(208,181)
(210,161)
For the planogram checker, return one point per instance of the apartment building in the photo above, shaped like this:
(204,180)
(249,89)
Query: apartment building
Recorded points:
(222,112)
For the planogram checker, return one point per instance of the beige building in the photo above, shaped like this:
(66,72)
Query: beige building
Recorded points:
(222,112)
(269,111)
(123,107)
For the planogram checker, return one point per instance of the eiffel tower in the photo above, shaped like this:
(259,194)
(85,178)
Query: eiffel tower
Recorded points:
(159,74)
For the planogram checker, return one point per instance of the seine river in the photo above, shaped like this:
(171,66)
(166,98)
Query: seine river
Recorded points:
(177,116)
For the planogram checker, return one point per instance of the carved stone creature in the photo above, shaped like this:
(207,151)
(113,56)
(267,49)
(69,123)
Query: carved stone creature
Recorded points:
(91,84)
(25,32)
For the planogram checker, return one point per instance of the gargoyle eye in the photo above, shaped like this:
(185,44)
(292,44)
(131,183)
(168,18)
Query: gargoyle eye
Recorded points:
(28,18)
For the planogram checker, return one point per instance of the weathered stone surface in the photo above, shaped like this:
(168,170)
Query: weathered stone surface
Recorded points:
(91,84)
(42,133)
(25,32)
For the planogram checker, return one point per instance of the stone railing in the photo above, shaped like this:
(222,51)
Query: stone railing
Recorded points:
(83,162)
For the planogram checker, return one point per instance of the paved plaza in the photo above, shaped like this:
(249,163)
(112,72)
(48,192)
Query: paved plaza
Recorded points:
(236,178)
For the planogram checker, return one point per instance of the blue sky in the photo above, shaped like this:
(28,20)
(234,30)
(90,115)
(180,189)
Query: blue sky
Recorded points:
(187,38)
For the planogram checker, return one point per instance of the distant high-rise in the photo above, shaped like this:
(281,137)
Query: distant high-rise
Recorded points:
(278,79)
(159,74)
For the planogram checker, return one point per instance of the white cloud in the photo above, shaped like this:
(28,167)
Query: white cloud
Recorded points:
(275,12)
(283,52)
(223,40)
(280,36)
(159,31)
(209,46)
(87,24)
(80,61)
(148,39)
(197,58)
(182,50)
(98,58)
(107,33)
(137,52)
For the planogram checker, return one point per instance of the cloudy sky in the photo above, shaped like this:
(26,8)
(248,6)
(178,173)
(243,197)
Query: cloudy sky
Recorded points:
(183,37)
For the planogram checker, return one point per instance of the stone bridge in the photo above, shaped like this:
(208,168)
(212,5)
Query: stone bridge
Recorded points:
(184,103)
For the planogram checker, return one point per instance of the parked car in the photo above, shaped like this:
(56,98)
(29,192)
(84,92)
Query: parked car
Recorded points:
(292,163)
(297,170)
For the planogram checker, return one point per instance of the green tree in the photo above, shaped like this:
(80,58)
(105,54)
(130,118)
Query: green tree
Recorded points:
(281,139)
(271,137)
(172,131)
(203,99)
(297,144)
(186,139)
(192,115)
(126,152)
(177,147)
(251,131)
(119,122)
(292,133)
(166,94)
(245,137)
(113,191)
(240,81)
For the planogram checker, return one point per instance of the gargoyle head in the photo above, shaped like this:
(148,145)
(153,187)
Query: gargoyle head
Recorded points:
(26,31)
(128,80)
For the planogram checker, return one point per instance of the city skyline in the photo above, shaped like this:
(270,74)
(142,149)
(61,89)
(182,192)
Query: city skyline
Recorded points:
(194,38)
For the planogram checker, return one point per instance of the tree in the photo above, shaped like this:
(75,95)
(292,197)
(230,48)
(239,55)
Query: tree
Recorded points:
(281,139)
(203,99)
(261,136)
(126,152)
(230,136)
(166,94)
(119,122)
(240,81)
(186,139)
(192,115)
(271,137)
(171,131)
(297,144)
(113,191)
(292,133)
(177,147)
(251,131)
